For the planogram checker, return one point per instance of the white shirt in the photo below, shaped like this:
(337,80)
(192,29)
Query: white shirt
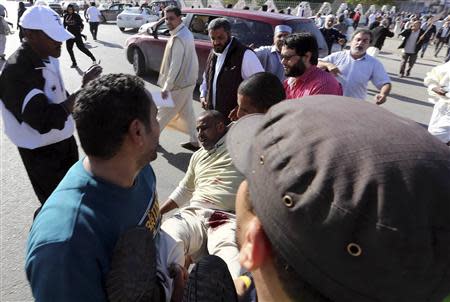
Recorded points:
(372,18)
(93,14)
(356,73)
(250,66)
(410,46)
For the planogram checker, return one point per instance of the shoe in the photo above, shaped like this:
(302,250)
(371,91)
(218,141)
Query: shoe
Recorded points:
(132,276)
(190,146)
(421,55)
(407,73)
(210,281)
(400,75)
(74,65)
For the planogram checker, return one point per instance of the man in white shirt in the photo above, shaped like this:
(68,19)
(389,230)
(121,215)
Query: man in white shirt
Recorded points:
(93,16)
(228,64)
(354,68)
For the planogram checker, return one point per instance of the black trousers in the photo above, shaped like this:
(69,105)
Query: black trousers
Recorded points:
(93,27)
(409,58)
(46,166)
(77,40)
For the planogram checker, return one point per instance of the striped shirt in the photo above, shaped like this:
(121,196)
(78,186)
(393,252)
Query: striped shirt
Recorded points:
(313,81)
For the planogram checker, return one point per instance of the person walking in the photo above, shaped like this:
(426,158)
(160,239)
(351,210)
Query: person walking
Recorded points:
(429,32)
(332,35)
(177,77)
(35,105)
(74,24)
(442,37)
(93,16)
(4,31)
(380,34)
(411,45)
(20,12)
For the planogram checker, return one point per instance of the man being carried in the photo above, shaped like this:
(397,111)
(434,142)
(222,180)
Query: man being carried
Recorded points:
(354,68)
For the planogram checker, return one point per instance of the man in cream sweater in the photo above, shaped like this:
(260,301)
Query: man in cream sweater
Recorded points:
(177,76)
(207,225)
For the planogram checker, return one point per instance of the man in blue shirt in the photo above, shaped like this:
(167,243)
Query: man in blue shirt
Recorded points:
(109,191)
(269,56)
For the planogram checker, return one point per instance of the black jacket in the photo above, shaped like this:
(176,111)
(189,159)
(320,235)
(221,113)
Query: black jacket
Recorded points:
(73,23)
(379,35)
(406,33)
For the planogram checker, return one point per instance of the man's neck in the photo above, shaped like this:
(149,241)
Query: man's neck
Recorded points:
(356,57)
(117,171)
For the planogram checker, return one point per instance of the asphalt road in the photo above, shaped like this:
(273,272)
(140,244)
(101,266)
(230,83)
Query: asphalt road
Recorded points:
(17,199)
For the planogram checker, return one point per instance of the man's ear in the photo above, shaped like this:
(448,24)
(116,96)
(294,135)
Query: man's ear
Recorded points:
(220,126)
(136,132)
(255,248)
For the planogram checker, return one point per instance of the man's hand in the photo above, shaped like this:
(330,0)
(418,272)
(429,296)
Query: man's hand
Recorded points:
(168,206)
(341,41)
(180,276)
(204,103)
(233,114)
(92,73)
(380,98)
(333,69)
(439,91)
(164,94)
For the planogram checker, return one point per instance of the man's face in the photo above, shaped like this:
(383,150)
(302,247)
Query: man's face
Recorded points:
(293,64)
(416,26)
(220,39)
(330,22)
(359,44)
(209,131)
(278,40)
(43,44)
(172,20)
(151,140)
(246,106)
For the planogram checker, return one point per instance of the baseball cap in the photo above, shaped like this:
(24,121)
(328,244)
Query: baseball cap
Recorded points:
(354,198)
(44,18)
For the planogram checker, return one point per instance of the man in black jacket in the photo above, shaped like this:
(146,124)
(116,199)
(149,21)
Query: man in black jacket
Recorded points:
(380,33)
(429,31)
(411,45)
(332,35)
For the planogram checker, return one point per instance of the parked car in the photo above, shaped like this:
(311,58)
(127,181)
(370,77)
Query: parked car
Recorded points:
(110,12)
(134,17)
(145,50)
(57,7)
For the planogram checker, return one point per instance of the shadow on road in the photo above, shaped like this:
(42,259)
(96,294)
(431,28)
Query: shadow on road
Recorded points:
(179,160)
(109,44)
(402,98)
(407,81)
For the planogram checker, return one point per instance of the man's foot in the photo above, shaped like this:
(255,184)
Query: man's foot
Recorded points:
(74,65)
(133,267)
(421,55)
(190,146)
(407,73)
(210,281)
(400,75)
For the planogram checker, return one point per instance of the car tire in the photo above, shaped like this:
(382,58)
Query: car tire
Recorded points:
(138,62)
(122,28)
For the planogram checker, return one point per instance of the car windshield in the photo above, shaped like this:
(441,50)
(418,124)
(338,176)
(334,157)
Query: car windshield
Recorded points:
(309,27)
(133,10)
(251,32)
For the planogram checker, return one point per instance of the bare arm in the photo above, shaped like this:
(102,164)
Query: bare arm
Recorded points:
(380,98)
(168,206)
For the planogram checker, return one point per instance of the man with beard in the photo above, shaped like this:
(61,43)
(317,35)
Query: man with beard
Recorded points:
(269,56)
(37,111)
(331,34)
(228,64)
(354,68)
(299,57)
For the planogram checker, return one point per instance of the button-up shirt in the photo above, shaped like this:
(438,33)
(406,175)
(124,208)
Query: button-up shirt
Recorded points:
(270,60)
(356,73)
(313,81)
(410,46)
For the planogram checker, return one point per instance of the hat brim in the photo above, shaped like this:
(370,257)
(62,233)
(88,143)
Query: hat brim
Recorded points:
(240,140)
(59,34)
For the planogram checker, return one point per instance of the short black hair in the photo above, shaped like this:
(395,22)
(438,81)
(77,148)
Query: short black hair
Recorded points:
(302,43)
(364,32)
(264,90)
(214,114)
(104,110)
(173,9)
(220,23)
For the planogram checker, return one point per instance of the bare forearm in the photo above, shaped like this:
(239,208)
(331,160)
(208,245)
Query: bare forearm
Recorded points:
(385,89)
(168,206)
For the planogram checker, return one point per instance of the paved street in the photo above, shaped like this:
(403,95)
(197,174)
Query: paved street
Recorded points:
(18,201)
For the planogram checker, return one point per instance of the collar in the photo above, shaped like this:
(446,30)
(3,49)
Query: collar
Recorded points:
(273,49)
(32,56)
(360,59)
(307,74)
(219,144)
(176,29)
(225,51)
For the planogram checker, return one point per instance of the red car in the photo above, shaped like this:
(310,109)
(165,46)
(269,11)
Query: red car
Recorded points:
(145,50)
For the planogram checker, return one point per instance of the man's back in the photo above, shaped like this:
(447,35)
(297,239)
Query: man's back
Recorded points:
(71,241)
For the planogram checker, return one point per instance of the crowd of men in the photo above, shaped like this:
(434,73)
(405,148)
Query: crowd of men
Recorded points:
(298,189)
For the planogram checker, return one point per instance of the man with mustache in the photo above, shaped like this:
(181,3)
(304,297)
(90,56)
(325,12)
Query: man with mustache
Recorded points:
(37,110)
(299,57)
(228,64)
(354,68)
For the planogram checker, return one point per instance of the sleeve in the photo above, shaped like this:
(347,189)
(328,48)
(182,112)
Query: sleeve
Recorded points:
(34,107)
(262,55)
(432,80)
(250,64)
(379,76)
(64,21)
(183,193)
(203,86)
(330,58)
(60,272)
(340,36)
(176,59)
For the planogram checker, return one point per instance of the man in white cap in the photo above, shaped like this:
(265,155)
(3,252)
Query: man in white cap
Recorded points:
(269,56)
(36,107)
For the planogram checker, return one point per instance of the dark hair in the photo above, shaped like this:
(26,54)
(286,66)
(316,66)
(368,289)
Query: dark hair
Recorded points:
(364,32)
(264,90)
(104,110)
(214,114)
(92,3)
(173,9)
(219,23)
(302,43)
(70,6)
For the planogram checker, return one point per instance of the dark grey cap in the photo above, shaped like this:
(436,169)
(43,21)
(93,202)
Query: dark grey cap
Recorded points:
(353,197)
